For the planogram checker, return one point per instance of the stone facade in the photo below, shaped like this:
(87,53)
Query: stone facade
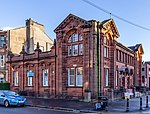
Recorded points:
(28,36)
(3,53)
(146,74)
(85,58)
(34,62)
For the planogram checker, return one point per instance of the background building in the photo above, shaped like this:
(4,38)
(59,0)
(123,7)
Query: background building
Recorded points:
(12,41)
(28,36)
(3,53)
(146,74)
(85,58)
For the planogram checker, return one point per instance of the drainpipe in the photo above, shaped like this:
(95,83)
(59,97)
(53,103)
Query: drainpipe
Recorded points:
(100,55)
(23,75)
(99,77)
(97,63)
(89,80)
(55,64)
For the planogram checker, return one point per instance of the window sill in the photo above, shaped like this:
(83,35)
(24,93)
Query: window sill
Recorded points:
(74,56)
(29,86)
(74,86)
(16,86)
(45,86)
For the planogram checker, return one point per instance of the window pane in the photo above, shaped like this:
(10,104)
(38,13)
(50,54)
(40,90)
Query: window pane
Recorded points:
(79,77)
(2,60)
(105,51)
(80,49)
(80,37)
(45,77)
(116,77)
(79,80)
(70,40)
(69,50)
(15,78)
(118,55)
(105,40)
(71,80)
(75,37)
(72,71)
(75,50)
(79,71)
(106,76)
(2,40)
(29,81)
(71,77)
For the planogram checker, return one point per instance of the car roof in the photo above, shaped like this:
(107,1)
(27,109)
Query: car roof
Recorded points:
(5,91)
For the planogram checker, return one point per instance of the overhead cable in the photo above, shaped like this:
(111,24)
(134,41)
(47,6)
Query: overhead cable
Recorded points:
(118,17)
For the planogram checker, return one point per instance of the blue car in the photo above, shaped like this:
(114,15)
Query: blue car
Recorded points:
(9,98)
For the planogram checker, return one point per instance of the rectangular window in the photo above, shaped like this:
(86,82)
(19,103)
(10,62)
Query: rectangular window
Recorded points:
(105,51)
(69,50)
(30,78)
(123,57)
(80,49)
(2,40)
(128,59)
(142,69)
(80,38)
(75,50)
(16,78)
(116,77)
(75,38)
(106,77)
(118,55)
(2,58)
(79,76)
(1,80)
(45,77)
(71,77)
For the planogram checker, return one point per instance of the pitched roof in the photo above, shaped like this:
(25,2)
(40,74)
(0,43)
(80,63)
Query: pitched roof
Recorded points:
(111,21)
(105,21)
(147,62)
(124,47)
(135,48)
(68,17)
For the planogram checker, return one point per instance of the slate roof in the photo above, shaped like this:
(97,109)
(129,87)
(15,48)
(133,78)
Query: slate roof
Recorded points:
(105,21)
(135,48)
(147,62)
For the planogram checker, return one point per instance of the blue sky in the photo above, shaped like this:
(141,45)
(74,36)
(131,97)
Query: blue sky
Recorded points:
(51,13)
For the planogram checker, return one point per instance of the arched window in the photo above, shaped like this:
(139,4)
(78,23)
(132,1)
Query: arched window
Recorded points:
(74,37)
(75,46)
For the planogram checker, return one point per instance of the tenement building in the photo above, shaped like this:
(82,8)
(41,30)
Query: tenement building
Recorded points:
(86,57)
(11,41)
(146,74)
(3,52)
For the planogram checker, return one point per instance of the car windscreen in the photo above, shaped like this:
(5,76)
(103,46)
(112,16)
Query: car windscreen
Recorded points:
(10,93)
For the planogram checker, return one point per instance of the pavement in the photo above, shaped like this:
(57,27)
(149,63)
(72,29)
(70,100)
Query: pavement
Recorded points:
(116,106)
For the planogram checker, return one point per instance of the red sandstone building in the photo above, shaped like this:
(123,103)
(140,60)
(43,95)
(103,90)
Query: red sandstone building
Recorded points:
(85,57)
(146,74)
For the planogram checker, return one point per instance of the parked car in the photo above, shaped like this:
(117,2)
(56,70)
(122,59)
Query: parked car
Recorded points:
(9,98)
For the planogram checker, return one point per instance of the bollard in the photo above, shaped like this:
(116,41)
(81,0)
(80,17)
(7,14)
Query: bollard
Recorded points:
(140,103)
(127,106)
(146,101)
